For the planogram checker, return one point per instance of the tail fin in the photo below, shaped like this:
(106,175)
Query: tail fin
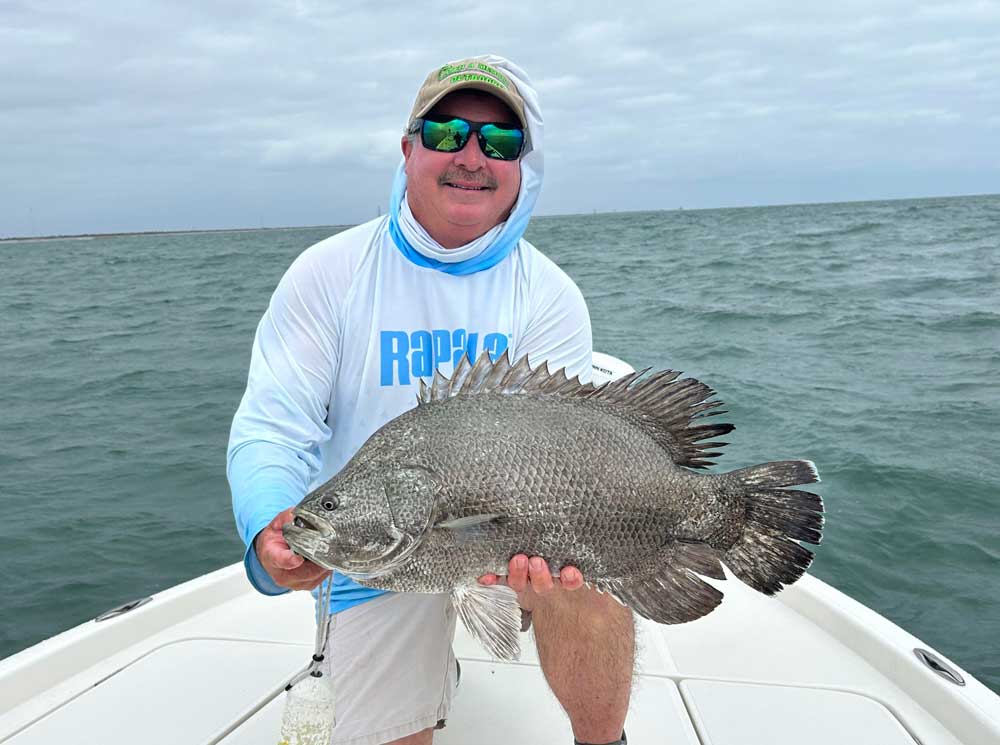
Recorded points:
(766,556)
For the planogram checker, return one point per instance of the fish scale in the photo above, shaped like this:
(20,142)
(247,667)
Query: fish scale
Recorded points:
(504,459)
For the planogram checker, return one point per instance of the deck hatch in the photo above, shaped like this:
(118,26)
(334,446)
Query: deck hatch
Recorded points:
(183,692)
(729,713)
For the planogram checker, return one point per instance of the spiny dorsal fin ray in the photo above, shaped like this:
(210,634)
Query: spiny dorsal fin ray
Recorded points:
(458,378)
(554,382)
(498,371)
(534,382)
(516,376)
(439,388)
(477,376)
(668,409)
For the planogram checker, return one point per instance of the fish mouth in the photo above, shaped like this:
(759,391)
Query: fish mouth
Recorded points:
(307,540)
(305,524)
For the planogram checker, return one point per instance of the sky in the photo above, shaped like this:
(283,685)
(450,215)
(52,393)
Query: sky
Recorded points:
(223,113)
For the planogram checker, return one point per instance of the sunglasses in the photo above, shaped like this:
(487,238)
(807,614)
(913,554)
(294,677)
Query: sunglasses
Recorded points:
(449,134)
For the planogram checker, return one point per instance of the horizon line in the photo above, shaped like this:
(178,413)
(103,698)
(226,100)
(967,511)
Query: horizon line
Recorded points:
(197,231)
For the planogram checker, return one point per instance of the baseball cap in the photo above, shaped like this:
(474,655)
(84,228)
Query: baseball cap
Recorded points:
(464,74)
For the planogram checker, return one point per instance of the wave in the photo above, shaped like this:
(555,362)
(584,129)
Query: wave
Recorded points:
(858,229)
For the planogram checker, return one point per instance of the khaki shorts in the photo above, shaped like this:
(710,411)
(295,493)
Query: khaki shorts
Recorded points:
(392,667)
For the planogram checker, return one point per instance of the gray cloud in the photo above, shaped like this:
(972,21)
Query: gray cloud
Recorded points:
(216,114)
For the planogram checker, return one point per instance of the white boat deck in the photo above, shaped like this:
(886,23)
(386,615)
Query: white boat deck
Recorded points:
(808,666)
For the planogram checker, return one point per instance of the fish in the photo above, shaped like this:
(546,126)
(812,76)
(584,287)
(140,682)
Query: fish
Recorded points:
(503,458)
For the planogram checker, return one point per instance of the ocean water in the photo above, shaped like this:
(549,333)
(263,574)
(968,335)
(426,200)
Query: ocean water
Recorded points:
(863,336)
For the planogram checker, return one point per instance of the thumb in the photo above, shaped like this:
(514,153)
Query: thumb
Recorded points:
(274,545)
(281,519)
(279,554)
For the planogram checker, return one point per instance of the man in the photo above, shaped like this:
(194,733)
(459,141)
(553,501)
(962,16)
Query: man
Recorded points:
(354,324)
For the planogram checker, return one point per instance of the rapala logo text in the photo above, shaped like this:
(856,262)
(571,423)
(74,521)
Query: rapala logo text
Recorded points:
(417,354)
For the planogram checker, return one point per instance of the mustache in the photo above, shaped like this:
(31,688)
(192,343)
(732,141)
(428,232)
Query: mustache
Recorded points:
(479,178)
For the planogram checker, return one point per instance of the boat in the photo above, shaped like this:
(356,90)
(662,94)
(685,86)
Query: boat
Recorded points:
(207,662)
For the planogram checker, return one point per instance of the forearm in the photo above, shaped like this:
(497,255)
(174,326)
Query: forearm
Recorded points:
(264,479)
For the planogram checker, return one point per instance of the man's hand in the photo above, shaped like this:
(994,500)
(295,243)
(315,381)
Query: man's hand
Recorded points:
(531,577)
(286,567)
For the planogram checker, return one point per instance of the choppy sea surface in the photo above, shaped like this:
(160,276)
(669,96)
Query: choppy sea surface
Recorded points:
(863,336)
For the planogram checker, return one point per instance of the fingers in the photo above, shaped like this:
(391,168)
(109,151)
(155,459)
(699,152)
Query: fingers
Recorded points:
(517,573)
(571,578)
(534,574)
(540,575)
(273,551)
(286,567)
(281,557)
(304,577)
(285,516)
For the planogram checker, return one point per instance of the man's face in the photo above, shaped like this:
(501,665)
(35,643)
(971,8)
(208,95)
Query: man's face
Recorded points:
(459,196)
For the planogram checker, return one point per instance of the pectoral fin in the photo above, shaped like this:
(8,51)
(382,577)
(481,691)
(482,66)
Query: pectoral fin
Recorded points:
(469,528)
(464,523)
(492,615)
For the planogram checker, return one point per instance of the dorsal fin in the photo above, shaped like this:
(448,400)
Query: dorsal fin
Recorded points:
(665,407)
(668,409)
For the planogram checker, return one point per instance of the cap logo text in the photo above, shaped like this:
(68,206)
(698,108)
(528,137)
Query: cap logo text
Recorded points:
(472,77)
(470,70)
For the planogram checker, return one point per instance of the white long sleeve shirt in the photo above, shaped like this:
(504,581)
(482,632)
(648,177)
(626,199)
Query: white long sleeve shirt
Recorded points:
(350,330)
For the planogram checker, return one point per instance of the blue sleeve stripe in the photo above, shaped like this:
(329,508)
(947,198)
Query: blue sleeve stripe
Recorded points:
(258,576)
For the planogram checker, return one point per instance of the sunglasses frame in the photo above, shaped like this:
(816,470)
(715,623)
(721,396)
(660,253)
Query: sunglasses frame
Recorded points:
(474,128)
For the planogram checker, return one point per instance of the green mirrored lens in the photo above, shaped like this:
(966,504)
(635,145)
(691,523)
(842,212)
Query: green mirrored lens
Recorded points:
(451,135)
(445,136)
(500,143)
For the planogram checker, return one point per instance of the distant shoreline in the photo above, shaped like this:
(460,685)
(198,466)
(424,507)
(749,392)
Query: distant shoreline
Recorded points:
(200,231)
(197,231)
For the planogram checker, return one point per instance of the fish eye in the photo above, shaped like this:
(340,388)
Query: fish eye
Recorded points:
(330,504)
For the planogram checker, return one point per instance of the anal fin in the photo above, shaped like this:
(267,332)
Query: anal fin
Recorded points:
(492,615)
(666,589)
